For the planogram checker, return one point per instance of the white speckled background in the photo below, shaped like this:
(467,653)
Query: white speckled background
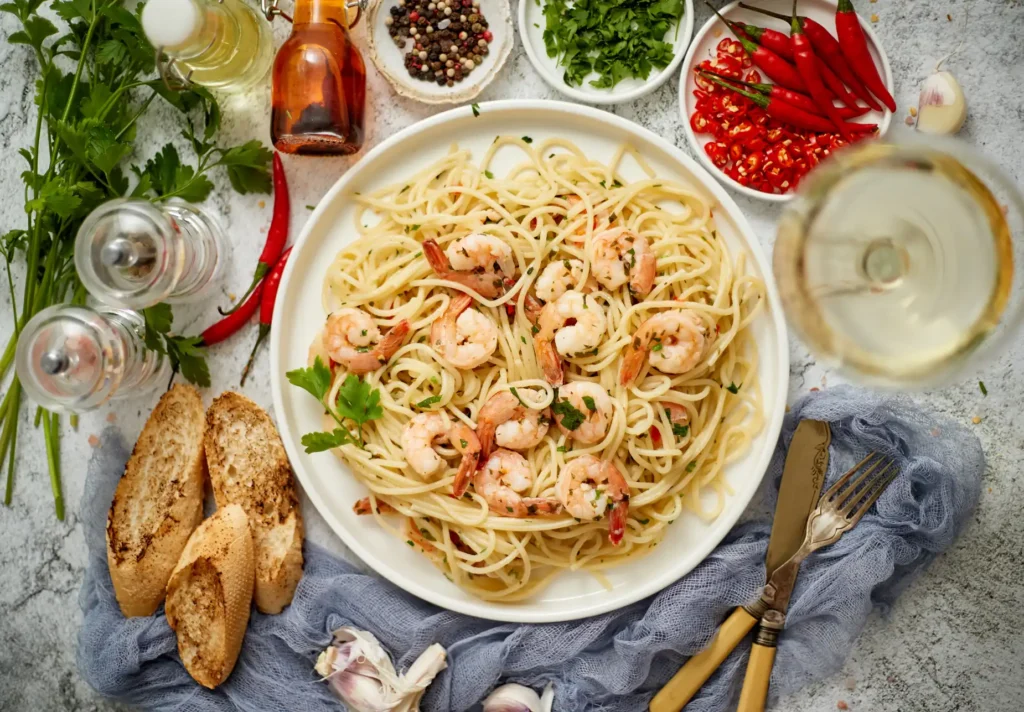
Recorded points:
(953,641)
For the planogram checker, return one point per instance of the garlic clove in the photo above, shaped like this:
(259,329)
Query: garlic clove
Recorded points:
(517,698)
(547,699)
(942,107)
(419,675)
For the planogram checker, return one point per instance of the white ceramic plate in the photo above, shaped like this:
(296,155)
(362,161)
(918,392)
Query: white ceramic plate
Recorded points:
(390,59)
(531,30)
(299,315)
(714,30)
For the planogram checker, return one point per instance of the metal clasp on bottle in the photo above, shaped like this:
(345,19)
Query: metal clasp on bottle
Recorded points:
(271,10)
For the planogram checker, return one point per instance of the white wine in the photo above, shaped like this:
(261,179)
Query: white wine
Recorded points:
(895,261)
(222,44)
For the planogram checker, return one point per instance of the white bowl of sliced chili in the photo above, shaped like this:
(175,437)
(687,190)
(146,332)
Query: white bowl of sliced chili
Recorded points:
(743,167)
(623,66)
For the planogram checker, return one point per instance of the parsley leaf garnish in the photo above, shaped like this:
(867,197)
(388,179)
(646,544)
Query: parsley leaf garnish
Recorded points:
(356,401)
(527,139)
(489,175)
(476,109)
(733,388)
(186,353)
(680,431)
(589,402)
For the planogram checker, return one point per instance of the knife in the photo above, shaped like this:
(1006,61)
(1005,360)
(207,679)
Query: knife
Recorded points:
(802,477)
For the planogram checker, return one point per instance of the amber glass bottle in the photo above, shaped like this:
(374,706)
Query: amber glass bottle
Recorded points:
(319,87)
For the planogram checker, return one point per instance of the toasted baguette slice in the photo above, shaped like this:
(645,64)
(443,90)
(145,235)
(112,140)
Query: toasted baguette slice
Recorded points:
(210,593)
(158,502)
(248,466)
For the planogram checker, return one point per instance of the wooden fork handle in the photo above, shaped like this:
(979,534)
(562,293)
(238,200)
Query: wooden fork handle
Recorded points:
(684,685)
(755,684)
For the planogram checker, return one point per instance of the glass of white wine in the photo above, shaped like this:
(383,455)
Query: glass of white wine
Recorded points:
(902,262)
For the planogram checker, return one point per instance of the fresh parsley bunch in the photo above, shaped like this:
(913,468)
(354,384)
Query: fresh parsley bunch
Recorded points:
(616,39)
(96,81)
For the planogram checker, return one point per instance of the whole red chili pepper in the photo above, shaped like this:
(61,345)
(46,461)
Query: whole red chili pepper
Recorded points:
(855,48)
(774,66)
(835,84)
(234,321)
(800,101)
(277,235)
(270,287)
(799,118)
(828,50)
(807,65)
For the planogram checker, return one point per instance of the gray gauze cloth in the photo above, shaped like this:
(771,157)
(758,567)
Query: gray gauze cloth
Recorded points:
(610,662)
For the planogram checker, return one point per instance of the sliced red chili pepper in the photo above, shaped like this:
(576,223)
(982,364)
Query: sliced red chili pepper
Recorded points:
(725,65)
(717,152)
(707,85)
(701,96)
(758,144)
(775,135)
(753,76)
(752,162)
(743,131)
(699,122)
(735,152)
(655,436)
(740,177)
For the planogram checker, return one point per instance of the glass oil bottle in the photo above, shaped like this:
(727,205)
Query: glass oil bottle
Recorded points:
(221,44)
(319,84)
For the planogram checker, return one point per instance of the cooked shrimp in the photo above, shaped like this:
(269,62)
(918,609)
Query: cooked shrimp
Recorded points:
(572,325)
(480,262)
(418,441)
(352,338)
(595,405)
(501,482)
(462,336)
(365,506)
(510,424)
(618,256)
(463,439)
(677,414)
(587,487)
(532,308)
(673,340)
(559,277)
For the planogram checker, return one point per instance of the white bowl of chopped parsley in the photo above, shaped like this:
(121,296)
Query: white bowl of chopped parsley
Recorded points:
(605,51)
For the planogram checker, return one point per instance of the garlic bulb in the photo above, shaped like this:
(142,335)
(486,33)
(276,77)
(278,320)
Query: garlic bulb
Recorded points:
(360,672)
(941,107)
(517,698)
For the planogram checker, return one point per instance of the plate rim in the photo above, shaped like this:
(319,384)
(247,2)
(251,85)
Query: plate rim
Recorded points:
(492,610)
(698,148)
(610,98)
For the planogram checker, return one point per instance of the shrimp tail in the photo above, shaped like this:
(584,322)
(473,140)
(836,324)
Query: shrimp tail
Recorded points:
(642,280)
(366,506)
(467,443)
(632,363)
(617,522)
(550,360)
(436,258)
(392,341)
(532,308)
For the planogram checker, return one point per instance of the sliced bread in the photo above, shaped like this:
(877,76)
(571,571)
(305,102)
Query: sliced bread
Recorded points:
(158,502)
(210,593)
(248,466)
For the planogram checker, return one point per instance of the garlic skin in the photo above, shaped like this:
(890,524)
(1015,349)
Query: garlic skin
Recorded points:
(360,672)
(517,698)
(941,107)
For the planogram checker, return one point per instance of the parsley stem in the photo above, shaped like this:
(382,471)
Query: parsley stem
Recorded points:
(8,436)
(51,434)
(81,64)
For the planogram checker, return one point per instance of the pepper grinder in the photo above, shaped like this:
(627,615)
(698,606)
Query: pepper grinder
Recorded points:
(134,254)
(74,359)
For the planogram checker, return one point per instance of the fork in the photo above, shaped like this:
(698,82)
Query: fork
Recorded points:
(842,506)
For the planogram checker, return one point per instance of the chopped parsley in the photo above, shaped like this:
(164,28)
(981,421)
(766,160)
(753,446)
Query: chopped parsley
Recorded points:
(527,139)
(645,522)
(615,40)
(490,176)
(561,448)
(427,402)
(589,402)
(733,388)
(463,442)
(476,109)
(981,386)
(571,417)
(427,535)
(657,347)
(514,392)
(680,431)
(691,466)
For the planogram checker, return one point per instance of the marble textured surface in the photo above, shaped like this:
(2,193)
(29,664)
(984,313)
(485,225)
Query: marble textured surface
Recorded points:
(950,644)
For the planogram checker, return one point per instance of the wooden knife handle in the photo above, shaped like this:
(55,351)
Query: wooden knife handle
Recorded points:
(684,685)
(755,684)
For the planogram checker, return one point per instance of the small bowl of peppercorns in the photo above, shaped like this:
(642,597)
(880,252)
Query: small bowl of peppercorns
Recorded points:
(440,51)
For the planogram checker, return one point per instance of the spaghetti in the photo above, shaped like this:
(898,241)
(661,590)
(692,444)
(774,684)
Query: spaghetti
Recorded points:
(668,434)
